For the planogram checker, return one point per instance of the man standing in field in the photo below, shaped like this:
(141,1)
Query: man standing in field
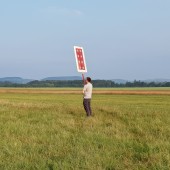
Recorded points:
(87,91)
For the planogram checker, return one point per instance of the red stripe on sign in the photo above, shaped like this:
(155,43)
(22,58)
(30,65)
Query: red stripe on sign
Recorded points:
(80,59)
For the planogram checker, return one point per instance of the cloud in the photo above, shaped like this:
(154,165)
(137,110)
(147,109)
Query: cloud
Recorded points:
(62,11)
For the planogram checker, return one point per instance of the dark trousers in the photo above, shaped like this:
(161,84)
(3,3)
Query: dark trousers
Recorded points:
(87,106)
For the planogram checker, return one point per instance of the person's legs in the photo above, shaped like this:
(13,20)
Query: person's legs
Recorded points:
(89,105)
(86,106)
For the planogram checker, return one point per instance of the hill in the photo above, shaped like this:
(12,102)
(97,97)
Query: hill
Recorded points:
(120,81)
(160,80)
(63,78)
(157,80)
(17,80)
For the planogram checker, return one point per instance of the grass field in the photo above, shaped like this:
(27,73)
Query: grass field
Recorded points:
(44,129)
(152,91)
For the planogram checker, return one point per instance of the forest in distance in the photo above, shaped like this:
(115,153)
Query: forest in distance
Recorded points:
(79,83)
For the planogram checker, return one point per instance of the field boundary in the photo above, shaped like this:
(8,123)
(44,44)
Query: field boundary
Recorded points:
(79,91)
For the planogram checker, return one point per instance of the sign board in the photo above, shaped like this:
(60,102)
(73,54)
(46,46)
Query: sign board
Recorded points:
(80,59)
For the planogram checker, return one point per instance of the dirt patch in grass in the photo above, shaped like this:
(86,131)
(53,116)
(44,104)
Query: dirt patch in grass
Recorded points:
(79,91)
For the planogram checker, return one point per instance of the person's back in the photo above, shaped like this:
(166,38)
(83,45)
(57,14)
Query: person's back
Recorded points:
(87,91)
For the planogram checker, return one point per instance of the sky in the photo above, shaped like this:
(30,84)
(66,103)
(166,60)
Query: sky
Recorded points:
(122,39)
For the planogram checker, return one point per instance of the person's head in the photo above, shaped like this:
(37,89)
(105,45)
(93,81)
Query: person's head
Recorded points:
(88,80)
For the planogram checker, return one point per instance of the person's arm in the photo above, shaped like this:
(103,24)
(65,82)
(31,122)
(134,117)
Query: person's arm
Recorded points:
(84,89)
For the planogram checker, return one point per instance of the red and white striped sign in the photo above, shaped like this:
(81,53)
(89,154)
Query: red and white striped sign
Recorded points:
(80,59)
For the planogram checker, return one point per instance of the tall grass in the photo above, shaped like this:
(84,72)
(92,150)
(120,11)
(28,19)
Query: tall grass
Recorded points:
(51,131)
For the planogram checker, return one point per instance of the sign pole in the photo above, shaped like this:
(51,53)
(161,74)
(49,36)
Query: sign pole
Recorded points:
(83,78)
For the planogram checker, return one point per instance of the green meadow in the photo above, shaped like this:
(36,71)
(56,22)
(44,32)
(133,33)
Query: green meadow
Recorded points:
(51,132)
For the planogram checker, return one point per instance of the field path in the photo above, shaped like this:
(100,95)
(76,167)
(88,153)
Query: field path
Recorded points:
(132,91)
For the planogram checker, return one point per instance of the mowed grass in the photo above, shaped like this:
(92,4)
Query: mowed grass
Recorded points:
(51,131)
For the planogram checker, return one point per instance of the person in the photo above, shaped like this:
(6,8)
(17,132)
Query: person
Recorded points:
(87,91)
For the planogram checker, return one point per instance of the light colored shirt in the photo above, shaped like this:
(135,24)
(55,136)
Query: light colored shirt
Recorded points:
(87,91)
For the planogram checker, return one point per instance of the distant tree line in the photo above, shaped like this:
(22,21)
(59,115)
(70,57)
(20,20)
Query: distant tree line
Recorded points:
(78,83)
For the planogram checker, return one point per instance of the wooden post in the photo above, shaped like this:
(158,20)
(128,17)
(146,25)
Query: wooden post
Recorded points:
(83,79)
